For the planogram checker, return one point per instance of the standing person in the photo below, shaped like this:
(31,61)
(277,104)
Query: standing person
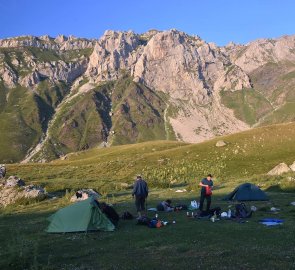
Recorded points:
(206,192)
(140,191)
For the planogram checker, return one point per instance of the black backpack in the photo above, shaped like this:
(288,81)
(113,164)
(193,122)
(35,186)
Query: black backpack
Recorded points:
(143,221)
(126,216)
(242,211)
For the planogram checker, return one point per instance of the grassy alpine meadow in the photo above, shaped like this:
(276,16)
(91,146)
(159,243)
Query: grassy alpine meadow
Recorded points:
(167,166)
(193,243)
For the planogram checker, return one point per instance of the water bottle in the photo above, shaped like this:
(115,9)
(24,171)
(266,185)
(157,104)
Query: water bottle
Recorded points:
(187,214)
(156,215)
(229,213)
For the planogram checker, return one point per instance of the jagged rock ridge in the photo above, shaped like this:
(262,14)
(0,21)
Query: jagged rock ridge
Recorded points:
(127,87)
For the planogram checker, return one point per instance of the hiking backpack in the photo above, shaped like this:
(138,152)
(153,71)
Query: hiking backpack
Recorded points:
(126,216)
(242,211)
(143,221)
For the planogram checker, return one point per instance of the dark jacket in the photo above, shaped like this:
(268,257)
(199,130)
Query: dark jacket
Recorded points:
(140,188)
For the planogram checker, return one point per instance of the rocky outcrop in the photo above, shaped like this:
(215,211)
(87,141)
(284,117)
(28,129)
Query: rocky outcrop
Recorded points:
(61,71)
(14,181)
(279,169)
(113,53)
(262,51)
(220,144)
(30,80)
(46,42)
(292,166)
(14,190)
(186,67)
(8,76)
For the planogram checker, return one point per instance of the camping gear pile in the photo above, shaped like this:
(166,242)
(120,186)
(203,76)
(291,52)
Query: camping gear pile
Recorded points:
(152,223)
(244,192)
(87,215)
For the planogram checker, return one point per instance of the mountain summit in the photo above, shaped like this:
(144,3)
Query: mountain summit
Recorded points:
(64,94)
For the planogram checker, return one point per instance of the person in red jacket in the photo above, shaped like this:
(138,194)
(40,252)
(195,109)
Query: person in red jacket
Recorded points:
(206,185)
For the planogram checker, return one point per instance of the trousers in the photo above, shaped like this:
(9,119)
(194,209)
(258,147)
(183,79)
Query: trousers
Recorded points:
(202,199)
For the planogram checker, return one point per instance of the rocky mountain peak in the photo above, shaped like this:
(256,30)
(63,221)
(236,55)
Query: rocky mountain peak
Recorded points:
(259,52)
(60,39)
(46,42)
(114,51)
(173,82)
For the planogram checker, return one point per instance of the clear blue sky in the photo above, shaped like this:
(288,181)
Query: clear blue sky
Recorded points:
(219,21)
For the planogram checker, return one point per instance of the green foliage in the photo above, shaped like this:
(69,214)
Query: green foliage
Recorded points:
(286,113)
(248,105)
(19,123)
(289,76)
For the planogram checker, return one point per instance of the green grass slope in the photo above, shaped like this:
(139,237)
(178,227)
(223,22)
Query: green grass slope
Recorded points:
(167,166)
(24,116)
(248,155)
(247,104)
(271,101)
(24,113)
(19,123)
(117,112)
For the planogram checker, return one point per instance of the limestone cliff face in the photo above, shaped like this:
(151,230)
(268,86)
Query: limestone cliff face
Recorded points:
(61,42)
(192,72)
(185,67)
(28,60)
(257,53)
(114,52)
(185,88)
(8,76)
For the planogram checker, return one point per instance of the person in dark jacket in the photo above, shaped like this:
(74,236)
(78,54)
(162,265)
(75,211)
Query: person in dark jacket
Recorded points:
(140,191)
(206,187)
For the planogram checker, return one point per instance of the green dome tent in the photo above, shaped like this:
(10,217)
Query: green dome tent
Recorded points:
(79,217)
(246,192)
